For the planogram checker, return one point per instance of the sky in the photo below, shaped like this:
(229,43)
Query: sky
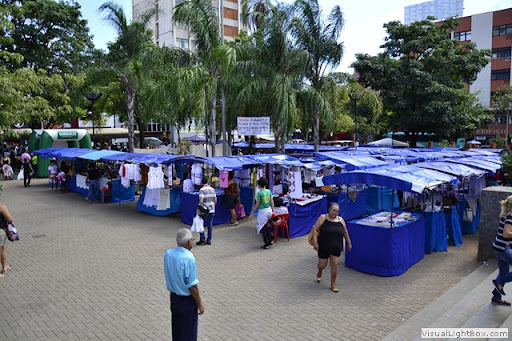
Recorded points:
(363,31)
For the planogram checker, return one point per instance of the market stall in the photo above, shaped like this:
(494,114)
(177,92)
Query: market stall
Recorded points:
(386,244)
(304,213)
(189,202)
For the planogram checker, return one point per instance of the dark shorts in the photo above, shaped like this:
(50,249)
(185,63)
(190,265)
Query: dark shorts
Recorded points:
(232,201)
(324,254)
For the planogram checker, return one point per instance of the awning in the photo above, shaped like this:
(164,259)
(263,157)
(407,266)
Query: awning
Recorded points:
(352,162)
(452,168)
(97,155)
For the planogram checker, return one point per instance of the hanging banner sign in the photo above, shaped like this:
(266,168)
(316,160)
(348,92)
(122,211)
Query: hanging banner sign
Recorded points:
(253,126)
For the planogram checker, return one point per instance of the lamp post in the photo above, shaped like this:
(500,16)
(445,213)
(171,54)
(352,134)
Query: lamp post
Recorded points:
(356,137)
(206,112)
(91,96)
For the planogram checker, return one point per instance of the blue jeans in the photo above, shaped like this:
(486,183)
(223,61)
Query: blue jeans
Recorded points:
(208,223)
(504,274)
(94,190)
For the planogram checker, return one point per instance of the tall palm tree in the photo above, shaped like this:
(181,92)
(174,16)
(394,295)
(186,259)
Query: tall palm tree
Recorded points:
(320,38)
(214,58)
(273,70)
(254,12)
(123,61)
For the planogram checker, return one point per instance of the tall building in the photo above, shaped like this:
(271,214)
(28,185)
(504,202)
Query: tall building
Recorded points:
(493,31)
(166,33)
(439,9)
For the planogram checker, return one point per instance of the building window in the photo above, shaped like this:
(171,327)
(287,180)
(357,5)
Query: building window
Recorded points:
(501,53)
(500,74)
(182,43)
(462,36)
(502,30)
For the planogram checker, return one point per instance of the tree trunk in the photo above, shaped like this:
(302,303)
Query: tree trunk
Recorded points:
(316,129)
(213,119)
(130,104)
(141,132)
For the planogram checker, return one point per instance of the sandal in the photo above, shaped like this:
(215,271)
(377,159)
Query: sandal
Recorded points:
(265,247)
(497,285)
(7,268)
(232,224)
(318,279)
(334,289)
(500,302)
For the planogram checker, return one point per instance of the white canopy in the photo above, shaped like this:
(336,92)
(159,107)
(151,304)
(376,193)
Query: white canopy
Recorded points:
(389,142)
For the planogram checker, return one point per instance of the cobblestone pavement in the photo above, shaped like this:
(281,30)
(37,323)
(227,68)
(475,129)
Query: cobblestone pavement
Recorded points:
(94,271)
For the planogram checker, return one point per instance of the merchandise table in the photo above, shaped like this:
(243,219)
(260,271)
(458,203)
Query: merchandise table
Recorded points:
(189,202)
(468,226)
(302,218)
(174,205)
(385,251)
(453,226)
(349,209)
(435,232)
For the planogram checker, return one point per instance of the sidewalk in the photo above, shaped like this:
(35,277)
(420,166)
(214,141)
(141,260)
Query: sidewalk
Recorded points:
(94,271)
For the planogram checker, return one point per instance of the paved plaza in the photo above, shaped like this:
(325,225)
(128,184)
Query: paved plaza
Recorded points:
(95,271)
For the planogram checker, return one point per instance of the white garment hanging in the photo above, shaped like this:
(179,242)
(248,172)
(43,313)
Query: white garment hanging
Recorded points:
(152,197)
(81,181)
(165,201)
(197,174)
(155,177)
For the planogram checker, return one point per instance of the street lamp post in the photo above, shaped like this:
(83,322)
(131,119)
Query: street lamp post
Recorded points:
(91,96)
(356,137)
(206,112)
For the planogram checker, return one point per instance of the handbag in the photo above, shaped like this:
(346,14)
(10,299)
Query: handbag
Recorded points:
(310,236)
(12,233)
(240,211)
(197,224)
(468,215)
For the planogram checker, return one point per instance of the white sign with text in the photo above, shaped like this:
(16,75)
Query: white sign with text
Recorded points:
(253,125)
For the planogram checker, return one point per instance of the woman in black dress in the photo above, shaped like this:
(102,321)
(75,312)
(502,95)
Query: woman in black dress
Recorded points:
(328,233)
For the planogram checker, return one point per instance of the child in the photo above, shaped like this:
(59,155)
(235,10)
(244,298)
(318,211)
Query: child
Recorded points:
(61,176)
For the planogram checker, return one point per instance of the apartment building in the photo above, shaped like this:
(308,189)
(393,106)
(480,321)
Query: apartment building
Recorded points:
(167,33)
(493,31)
(439,9)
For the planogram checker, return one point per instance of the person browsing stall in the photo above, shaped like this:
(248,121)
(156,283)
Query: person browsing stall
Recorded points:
(232,197)
(265,206)
(328,233)
(93,176)
(5,220)
(208,197)
(181,277)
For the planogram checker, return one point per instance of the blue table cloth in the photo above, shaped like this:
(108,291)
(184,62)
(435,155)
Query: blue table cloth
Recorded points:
(175,204)
(189,202)
(349,209)
(435,232)
(73,188)
(302,218)
(453,226)
(468,226)
(380,198)
(246,194)
(119,193)
(385,251)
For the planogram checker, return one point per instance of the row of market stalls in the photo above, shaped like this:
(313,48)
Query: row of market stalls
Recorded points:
(394,200)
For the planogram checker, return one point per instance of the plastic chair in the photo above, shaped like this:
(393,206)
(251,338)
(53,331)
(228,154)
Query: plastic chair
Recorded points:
(283,226)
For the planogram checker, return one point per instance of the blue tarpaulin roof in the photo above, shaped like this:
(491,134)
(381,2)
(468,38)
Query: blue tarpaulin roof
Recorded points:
(229,162)
(452,168)
(477,163)
(99,154)
(46,152)
(352,162)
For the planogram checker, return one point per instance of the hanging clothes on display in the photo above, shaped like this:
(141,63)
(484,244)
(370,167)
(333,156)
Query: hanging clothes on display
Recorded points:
(197,174)
(81,181)
(144,170)
(223,178)
(165,201)
(125,181)
(244,177)
(152,197)
(295,184)
(156,177)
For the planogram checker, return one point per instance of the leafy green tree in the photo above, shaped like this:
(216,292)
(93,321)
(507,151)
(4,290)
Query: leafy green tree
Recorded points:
(122,64)
(50,35)
(420,77)
(502,103)
(214,58)
(320,38)
(270,71)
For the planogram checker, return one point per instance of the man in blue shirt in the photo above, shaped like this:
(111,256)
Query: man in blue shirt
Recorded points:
(181,276)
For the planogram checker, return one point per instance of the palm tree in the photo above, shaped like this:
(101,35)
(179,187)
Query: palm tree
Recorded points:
(273,71)
(320,39)
(123,62)
(214,58)
(254,12)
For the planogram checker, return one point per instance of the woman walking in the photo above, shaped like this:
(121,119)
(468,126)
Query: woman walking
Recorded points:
(501,246)
(5,220)
(232,196)
(265,204)
(328,233)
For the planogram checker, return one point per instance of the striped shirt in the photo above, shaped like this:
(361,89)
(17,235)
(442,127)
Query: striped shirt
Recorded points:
(501,242)
(207,193)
